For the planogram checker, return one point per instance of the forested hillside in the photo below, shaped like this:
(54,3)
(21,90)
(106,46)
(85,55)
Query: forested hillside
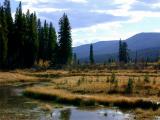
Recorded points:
(25,40)
(146,45)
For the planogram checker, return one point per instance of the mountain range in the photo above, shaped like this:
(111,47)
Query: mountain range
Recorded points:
(146,45)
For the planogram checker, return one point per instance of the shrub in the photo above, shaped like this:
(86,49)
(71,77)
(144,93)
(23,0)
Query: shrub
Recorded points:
(139,79)
(113,83)
(154,81)
(108,79)
(97,80)
(129,88)
(158,64)
(79,82)
(113,78)
(146,78)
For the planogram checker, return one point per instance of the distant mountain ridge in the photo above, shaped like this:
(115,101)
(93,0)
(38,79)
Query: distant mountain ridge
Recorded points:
(106,49)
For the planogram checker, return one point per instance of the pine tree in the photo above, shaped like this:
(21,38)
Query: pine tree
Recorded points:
(32,41)
(123,52)
(75,59)
(52,42)
(41,41)
(136,58)
(65,41)
(9,22)
(120,51)
(27,43)
(24,41)
(45,41)
(3,39)
(91,55)
(20,37)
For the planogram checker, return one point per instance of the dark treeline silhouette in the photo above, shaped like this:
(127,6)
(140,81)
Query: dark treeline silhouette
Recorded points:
(91,55)
(25,41)
(123,56)
(123,52)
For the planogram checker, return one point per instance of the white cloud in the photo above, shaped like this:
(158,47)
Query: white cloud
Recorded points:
(36,1)
(30,4)
(43,9)
(51,1)
(99,31)
(105,31)
(78,1)
(156,30)
(124,10)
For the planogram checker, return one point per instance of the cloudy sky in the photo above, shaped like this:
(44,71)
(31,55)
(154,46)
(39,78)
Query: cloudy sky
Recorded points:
(98,20)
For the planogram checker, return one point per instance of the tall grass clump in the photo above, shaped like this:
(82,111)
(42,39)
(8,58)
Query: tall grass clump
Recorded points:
(154,81)
(113,84)
(81,80)
(113,78)
(129,88)
(146,78)
(108,79)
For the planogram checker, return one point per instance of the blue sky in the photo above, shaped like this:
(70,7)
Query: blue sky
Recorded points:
(98,20)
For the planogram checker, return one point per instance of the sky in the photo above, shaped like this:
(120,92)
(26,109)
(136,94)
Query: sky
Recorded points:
(98,20)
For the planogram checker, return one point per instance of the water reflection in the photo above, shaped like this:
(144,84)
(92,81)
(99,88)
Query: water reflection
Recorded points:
(13,106)
(76,114)
(65,114)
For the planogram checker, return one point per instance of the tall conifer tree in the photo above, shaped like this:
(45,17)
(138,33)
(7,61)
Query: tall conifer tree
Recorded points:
(123,52)
(32,39)
(91,55)
(65,41)
(52,42)
(9,22)
(20,36)
(3,38)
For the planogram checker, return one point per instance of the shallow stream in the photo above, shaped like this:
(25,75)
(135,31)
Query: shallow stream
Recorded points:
(14,106)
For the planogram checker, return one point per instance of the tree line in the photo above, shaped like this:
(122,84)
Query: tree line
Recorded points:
(123,55)
(25,40)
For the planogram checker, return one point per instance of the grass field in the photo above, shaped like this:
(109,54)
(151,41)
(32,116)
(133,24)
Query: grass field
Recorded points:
(123,88)
(107,84)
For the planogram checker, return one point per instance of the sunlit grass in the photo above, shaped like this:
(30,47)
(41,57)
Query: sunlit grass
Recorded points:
(89,86)
(63,96)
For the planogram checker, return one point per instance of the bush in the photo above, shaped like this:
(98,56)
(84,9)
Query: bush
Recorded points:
(159,65)
(129,88)
(114,82)
(78,82)
(146,78)
(154,81)
(108,79)
(113,78)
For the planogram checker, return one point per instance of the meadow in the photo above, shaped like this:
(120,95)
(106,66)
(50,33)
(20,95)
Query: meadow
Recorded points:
(136,89)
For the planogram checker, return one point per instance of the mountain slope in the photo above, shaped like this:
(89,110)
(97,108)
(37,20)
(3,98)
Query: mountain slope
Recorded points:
(143,41)
(105,49)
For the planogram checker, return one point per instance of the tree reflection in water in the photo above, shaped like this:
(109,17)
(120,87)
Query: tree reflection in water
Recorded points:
(65,114)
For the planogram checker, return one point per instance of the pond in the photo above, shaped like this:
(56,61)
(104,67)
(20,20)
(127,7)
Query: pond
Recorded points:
(14,106)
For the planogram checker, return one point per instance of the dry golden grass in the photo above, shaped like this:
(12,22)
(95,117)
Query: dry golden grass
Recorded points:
(91,87)
(95,86)
(50,91)
(146,114)
(18,76)
(93,82)
(66,96)
(14,77)
(101,84)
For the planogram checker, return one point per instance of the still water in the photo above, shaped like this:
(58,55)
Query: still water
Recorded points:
(13,106)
